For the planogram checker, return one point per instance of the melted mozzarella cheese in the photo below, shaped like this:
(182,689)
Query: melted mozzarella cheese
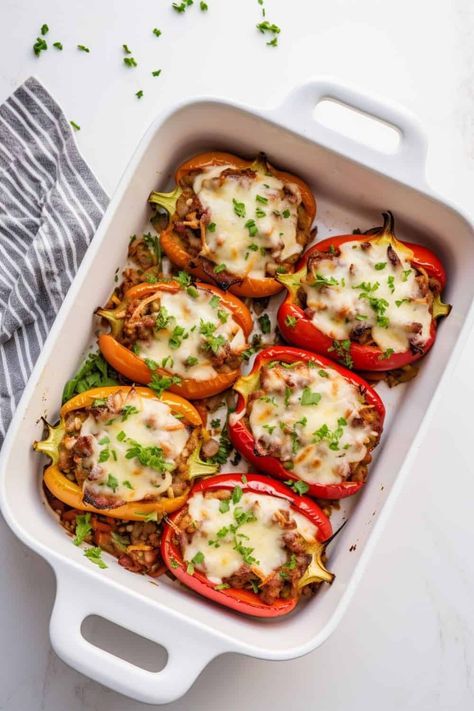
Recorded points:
(189,312)
(151,424)
(390,308)
(263,536)
(264,209)
(320,440)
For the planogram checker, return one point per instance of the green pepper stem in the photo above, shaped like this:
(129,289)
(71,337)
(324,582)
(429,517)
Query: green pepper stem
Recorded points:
(199,468)
(247,384)
(316,571)
(167,201)
(116,322)
(440,308)
(292,281)
(50,445)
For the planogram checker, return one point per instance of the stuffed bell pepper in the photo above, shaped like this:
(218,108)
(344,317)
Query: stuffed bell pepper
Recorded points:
(124,452)
(248,543)
(236,223)
(176,334)
(307,420)
(369,301)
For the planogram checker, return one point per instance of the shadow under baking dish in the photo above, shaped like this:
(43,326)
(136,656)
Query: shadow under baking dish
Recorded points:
(349,196)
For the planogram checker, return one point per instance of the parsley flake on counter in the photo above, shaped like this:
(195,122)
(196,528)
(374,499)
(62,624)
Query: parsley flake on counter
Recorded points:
(44,29)
(157,32)
(58,45)
(126,49)
(75,125)
(83,48)
(204,6)
(40,46)
(139,94)
(130,62)
(156,73)
(265,323)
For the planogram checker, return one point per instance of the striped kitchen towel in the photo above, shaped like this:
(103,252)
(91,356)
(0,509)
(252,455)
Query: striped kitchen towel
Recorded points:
(50,207)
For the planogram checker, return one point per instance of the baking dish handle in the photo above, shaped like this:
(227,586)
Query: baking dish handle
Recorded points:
(406,164)
(189,651)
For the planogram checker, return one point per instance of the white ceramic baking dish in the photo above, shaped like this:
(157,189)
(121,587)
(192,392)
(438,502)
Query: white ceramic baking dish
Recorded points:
(353,183)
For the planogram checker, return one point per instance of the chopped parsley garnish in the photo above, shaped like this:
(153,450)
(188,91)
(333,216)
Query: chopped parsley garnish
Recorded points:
(183,279)
(139,94)
(239,208)
(331,437)
(406,273)
(323,373)
(265,323)
(126,49)
(391,283)
(259,212)
(104,440)
(156,32)
(220,268)
(156,73)
(190,361)
(224,506)
(214,301)
(160,383)
(321,280)
(211,227)
(178,335)
(121,436)
(269,428)
(262,200)
(309,398)
(95,556)
(83,528)
(223,316)
(44,29)
(162,318)
(204,6)
(83,48)
(301,487)
(130,62)
(380,265)
(127,411)
(75,125)
(40,46)
(197,560)
(181,7)
(99,402)
(287,395)
(237,494)
(222,586)
(273,42)
(192,292)
(290,321)
(174,563)
(58,45)
(252,228)
(215,423)
(267,27)
(112,483)
(285,213)
(399,302)
(214,343)
(386,354)
(151,364)
(151,456)
(342,350)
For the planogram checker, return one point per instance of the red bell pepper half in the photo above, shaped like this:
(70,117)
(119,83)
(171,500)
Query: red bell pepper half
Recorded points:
(244,441)
(299,330)
(245,601)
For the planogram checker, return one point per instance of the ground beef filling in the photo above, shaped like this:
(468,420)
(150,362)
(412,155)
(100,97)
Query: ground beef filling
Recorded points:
(135,544)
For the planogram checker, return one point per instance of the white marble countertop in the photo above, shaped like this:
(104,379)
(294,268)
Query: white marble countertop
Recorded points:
(407,640)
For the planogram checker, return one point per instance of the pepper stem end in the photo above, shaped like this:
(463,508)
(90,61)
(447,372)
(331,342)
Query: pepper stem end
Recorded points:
(439,308)
(197,468)
(50,445)
(167,201)
(316,572)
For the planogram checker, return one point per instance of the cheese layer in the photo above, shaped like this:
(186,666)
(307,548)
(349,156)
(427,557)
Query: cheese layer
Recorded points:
(309,418)
(150,424)
(362,287)
(255,221)
(262,538)
(191,313)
